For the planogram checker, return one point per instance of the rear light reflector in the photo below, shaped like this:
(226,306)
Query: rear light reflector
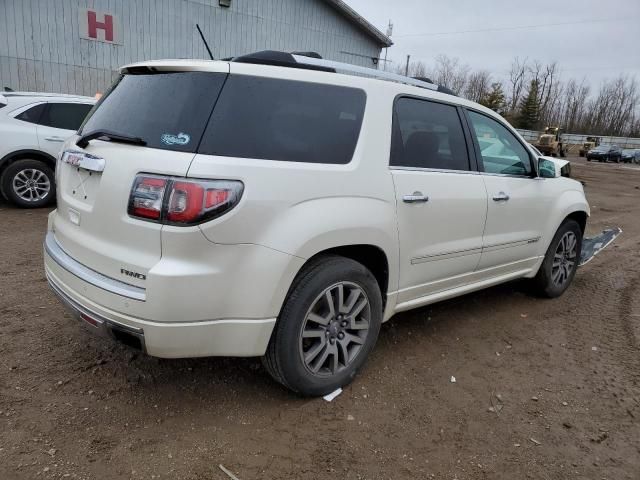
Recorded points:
(147,196)
(180,201)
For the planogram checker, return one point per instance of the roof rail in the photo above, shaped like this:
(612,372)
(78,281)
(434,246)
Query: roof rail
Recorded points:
(313,61)
(347,68)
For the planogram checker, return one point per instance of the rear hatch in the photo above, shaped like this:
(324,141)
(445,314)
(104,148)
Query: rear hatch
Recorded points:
(166,108)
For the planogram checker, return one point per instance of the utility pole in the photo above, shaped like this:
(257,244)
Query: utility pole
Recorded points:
(406,70)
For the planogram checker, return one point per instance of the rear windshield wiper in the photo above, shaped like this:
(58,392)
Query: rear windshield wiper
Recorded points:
(84,140)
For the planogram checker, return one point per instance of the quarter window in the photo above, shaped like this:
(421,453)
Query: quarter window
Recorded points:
(32,115)
(274,119)
(67,116)
(500,150)
(428,135)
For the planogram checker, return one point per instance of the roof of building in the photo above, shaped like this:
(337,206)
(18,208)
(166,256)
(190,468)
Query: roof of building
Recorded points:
(358,20)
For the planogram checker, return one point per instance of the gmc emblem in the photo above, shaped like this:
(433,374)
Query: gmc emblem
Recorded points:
(129,273)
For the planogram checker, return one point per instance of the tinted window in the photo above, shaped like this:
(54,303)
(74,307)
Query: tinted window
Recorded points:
(167,110)
(68,116)
(285,120)
(428,135)
(32,115)
(500,150)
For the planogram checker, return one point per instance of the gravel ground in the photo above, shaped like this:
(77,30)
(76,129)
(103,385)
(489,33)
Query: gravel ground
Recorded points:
(545,389)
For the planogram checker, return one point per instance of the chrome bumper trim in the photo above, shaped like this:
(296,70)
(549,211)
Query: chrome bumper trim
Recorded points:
(88,275)
(103,327)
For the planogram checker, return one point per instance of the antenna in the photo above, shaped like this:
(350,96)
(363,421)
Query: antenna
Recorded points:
(205,42)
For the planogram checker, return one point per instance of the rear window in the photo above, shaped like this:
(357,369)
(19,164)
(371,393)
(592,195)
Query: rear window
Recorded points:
(273,119)
(166,110)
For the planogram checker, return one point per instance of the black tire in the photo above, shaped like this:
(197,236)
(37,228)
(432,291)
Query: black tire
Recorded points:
(581,154)
(14,169)
(543,282)
(588,159)
(284,357)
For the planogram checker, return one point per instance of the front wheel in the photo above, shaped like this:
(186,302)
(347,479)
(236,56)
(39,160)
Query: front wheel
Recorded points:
(328,325)
(29,183)
(561,261)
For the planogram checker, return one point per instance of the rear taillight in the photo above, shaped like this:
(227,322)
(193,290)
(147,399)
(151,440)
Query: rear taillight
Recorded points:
(147,196)
(180,201)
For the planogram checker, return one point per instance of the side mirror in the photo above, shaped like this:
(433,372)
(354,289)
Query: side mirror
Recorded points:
(549,167)
(546,168)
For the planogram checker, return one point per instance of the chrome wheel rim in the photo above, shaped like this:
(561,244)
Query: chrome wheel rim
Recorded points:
(335,329)
(31,185)
(564,260)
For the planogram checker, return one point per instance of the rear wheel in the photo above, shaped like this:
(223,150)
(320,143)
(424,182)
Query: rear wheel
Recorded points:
(29,183)
(561,260)
(328,325)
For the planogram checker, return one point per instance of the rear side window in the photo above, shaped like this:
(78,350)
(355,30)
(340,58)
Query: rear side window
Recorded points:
(273,119)
(166,110)
(67,116)
(32,115)
(428,135)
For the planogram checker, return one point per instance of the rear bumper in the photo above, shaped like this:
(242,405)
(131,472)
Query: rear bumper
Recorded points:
(91,298)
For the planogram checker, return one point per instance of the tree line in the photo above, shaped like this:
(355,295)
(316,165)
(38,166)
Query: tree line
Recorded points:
(534,95)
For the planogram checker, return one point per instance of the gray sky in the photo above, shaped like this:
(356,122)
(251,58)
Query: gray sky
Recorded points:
(593,50)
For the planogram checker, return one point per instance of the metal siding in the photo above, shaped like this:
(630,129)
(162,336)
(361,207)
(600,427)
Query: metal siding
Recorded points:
(40,46)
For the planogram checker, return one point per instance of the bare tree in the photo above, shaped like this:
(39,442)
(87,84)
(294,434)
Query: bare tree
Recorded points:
(517,82)
(449,73)
(478,85)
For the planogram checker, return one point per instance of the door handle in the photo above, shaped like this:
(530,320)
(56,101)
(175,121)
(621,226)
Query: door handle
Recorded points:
(54,139)
(501,197)
(415,197)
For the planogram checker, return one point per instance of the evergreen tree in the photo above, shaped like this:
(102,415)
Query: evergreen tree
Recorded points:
(494,99)
(529,108)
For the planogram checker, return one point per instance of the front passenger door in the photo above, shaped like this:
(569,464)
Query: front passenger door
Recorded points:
(518,202)
(441,201)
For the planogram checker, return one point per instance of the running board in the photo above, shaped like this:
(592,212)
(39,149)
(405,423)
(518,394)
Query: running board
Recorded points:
(594,245)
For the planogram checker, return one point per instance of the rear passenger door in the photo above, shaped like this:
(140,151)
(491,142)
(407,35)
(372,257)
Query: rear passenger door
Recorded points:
(58,122)
(441,200)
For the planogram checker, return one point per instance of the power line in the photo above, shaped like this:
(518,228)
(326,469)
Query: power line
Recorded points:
(519,27)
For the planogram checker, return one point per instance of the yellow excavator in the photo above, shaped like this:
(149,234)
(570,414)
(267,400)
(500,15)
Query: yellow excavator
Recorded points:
(550,142)
(590,142)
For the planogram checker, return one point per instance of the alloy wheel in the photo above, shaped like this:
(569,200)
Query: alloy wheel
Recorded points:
(335,329)
(564,260)
(31,185)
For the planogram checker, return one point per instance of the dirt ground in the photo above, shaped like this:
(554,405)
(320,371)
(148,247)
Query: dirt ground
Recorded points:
(561,377)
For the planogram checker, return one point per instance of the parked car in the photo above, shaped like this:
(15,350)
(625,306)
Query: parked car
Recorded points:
(33,127)
(605,153)
(238,208)
(631,155)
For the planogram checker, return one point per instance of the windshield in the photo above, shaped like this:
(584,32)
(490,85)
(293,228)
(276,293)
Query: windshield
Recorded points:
(166,110)
(603,148)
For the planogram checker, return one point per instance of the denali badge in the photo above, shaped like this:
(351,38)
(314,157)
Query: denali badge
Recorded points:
(129,273)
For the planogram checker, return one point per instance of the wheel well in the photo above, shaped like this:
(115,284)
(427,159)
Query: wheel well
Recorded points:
(27,155)
(581,218)
(370,256)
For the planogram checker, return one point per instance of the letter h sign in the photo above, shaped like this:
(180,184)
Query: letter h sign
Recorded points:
(99,26)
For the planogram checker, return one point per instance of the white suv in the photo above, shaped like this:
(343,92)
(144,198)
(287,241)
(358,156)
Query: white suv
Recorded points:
(33,127)
(238,208)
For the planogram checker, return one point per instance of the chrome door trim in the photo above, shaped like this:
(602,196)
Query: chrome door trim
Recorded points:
(446,255)
(516,243)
